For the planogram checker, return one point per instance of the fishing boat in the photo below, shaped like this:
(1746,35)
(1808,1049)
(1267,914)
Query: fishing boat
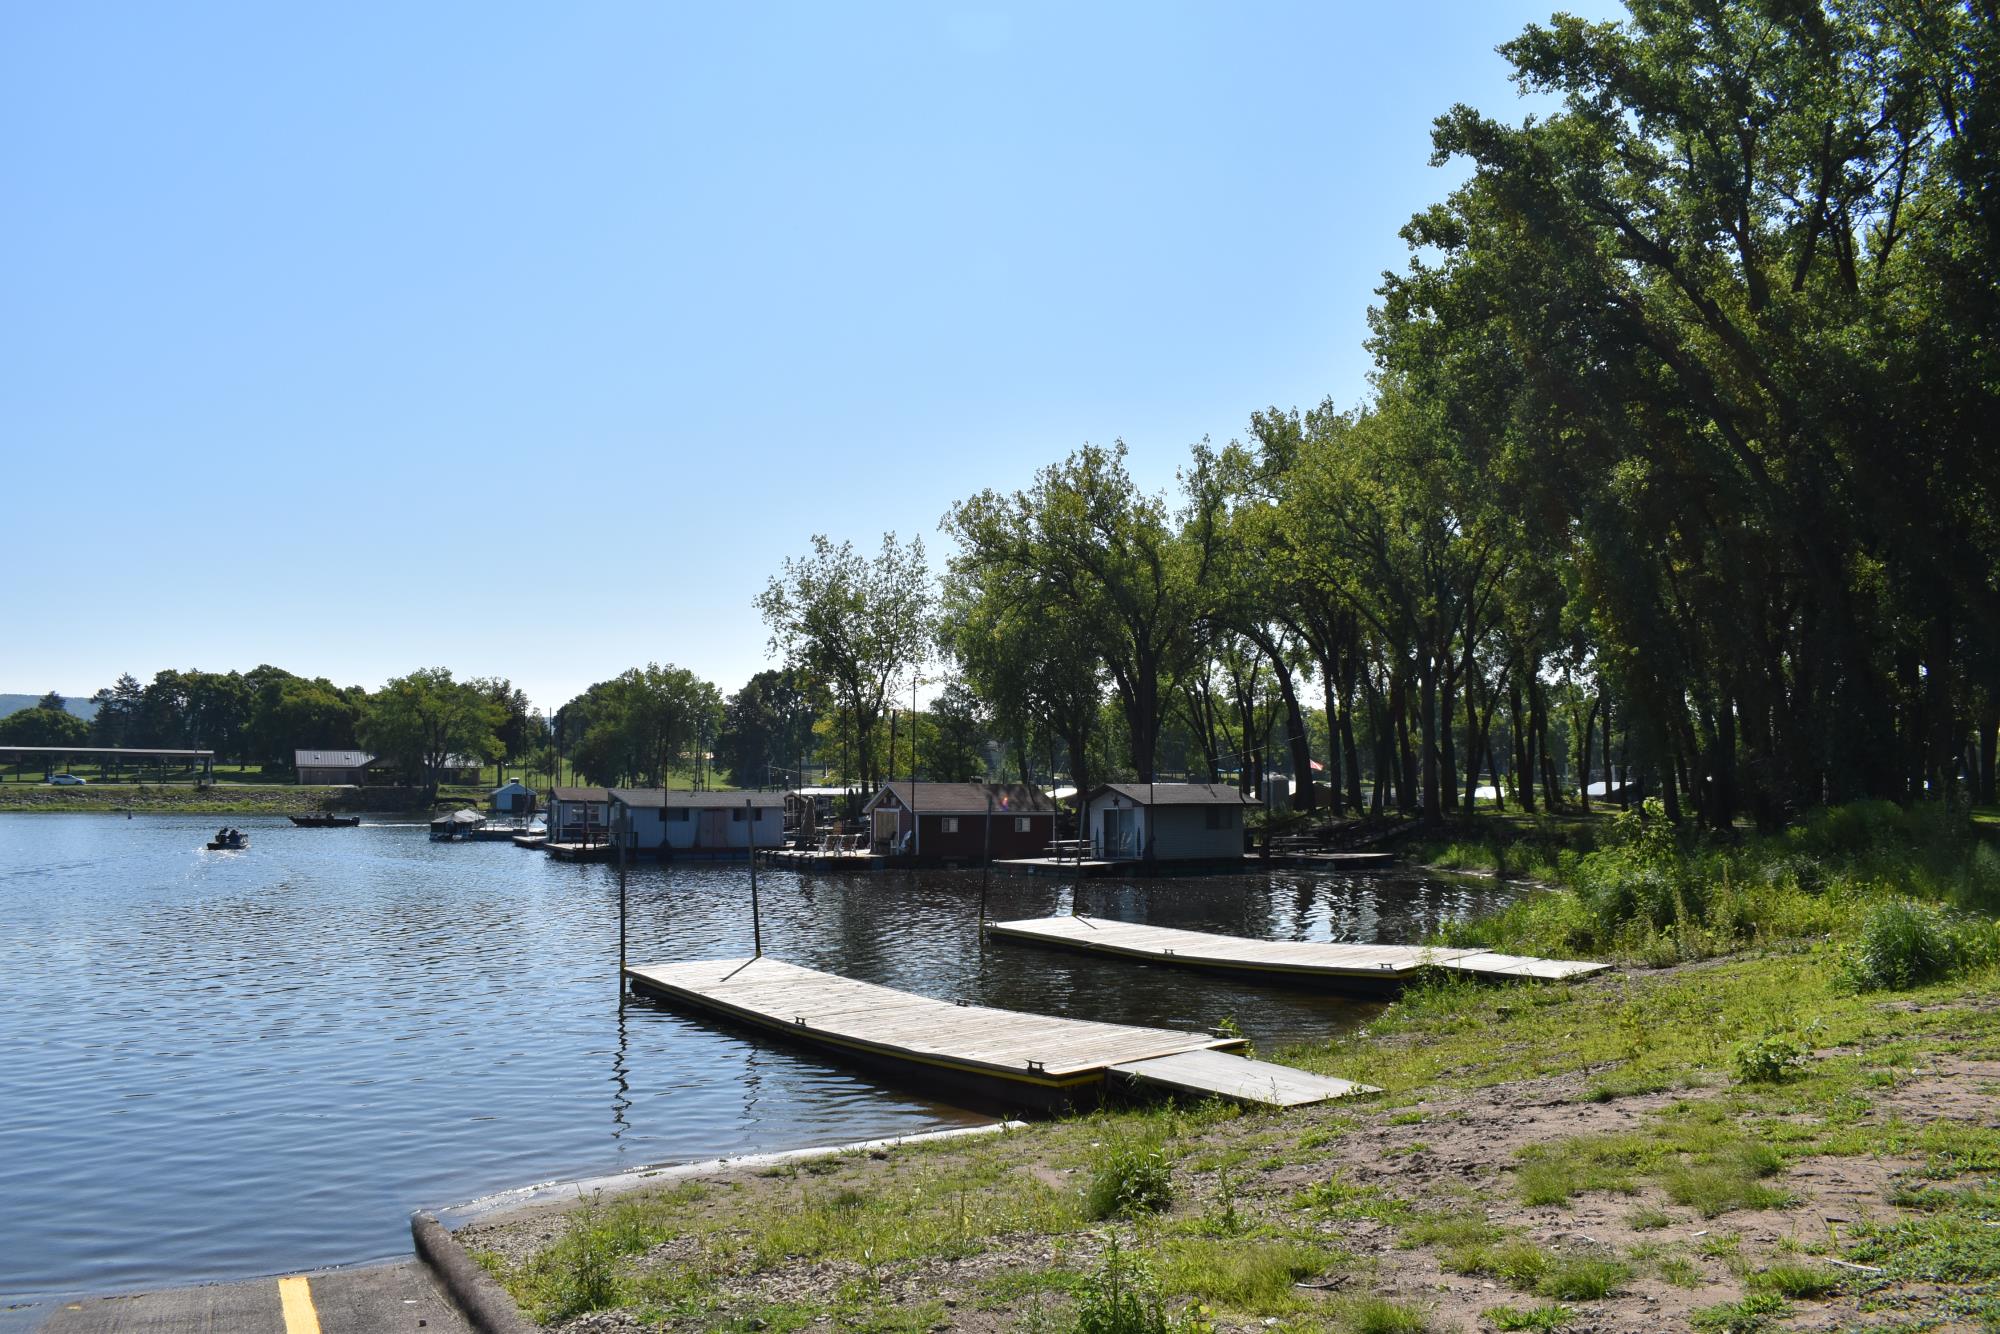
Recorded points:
(326,821)
(229,840)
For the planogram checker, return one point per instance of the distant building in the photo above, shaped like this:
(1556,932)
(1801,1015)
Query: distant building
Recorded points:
(511,798)
(1167,822)
(332,766)
(579,815)
(950,820)
(708,822)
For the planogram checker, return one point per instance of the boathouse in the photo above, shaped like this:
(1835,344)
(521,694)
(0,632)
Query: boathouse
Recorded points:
(511,798)
(332,766)
(953,821)
(701,824)
(579,814)
(1166,822)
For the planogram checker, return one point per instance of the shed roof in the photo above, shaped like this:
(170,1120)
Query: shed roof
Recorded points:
(652,798)
(964,798)
(1175,794)
(597,794)
(331,759)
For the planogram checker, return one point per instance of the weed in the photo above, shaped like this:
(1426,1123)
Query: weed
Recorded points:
(1769,1060)
(1748,1316)
(1122,1298)
(1129,1178)
(1336,1198)
(1583,1278)
(1548,1318)
(1796,1281)
(1456,1231)
(1379,1315)
(1244,1275)
(1680,1271)
(1648,1219)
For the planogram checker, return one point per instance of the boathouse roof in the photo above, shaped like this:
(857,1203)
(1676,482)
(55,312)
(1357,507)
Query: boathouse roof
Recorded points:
(962,798)
(1175,794)
(597,794)
(331,759)
(653,798)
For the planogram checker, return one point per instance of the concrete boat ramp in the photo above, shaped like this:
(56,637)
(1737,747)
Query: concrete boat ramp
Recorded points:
(1330,964)
(1005,1055)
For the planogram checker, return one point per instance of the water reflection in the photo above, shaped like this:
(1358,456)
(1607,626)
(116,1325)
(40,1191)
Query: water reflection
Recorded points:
(228,1064)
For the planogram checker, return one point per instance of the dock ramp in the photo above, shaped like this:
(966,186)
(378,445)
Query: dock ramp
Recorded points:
(1215,1074)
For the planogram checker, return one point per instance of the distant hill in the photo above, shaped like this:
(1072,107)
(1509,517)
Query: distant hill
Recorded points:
(82,708)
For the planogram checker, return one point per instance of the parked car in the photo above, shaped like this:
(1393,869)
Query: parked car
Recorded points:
(66,780)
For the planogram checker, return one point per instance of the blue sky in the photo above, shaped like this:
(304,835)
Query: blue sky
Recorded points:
(346,339)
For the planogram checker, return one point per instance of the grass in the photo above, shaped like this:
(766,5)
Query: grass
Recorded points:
(1217,1211)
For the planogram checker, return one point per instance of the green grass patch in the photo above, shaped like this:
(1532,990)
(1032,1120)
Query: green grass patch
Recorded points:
(1547,1318)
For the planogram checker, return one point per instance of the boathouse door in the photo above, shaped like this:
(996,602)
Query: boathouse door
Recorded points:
(714,829)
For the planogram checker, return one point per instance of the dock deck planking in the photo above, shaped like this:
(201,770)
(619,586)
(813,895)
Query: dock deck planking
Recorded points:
(1050,1059)
(1219,1075)
(1374,965)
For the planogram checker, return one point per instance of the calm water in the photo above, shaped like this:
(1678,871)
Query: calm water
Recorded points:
(220,1065)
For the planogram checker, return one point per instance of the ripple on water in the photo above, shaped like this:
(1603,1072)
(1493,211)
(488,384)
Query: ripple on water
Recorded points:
(223,1065)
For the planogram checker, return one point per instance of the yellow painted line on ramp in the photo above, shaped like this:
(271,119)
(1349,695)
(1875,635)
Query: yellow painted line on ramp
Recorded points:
(295,1296)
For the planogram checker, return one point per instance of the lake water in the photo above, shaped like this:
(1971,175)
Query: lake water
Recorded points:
(220,1065)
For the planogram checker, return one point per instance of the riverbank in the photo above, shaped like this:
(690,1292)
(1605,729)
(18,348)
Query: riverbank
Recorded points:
(223,798)
(1792,1118)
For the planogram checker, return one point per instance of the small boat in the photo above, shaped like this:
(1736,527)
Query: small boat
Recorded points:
(457,826)
(326,821)
(229,840)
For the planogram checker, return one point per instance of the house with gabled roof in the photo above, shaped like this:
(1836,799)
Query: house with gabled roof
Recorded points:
(960,821)
(1166,822)
(708,823)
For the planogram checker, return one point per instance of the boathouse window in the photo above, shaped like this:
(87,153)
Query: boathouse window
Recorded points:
(678,814)
(948,824)
(1214,814)
(1021,824)
(736,815)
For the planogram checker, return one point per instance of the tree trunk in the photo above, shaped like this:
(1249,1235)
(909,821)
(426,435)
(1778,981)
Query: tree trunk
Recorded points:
(1583,757)
(1524,766)
(1335,799)
(1303,798)
(1989,752)
(1406,775)
(1427,723)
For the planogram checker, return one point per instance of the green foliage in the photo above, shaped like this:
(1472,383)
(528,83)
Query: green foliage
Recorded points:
(1769,1060)
(43,727)
(1796,1281)
(1748,1316)
(1256,1275)
(1122,1297)
(1371,1314)
(421,720)
(1547,1318)
(643,725)
(1904,945)
(1129,1178)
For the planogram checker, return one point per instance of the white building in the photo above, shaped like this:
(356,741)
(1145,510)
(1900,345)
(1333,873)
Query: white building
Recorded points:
(1166,822)
(717,824)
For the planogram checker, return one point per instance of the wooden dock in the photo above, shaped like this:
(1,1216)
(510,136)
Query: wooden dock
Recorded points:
(1330,964)
(1004,1056)
(582,852)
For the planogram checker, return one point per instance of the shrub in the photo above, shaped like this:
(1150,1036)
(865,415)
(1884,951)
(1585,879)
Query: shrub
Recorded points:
(1127,1180)
(1121,1298)
(1902,945)
(1768,1060)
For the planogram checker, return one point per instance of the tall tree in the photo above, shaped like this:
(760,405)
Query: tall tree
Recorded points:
(857,624)
(423,720)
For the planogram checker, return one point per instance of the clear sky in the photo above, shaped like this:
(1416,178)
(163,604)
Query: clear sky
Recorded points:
(529,339)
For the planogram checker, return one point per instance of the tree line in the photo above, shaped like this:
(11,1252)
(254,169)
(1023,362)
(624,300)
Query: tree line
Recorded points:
(1678,469)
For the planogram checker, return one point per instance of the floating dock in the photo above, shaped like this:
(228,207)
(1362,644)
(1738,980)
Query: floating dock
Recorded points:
(582,852)
(1332,965)
(1337,861)
(1006,1056)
